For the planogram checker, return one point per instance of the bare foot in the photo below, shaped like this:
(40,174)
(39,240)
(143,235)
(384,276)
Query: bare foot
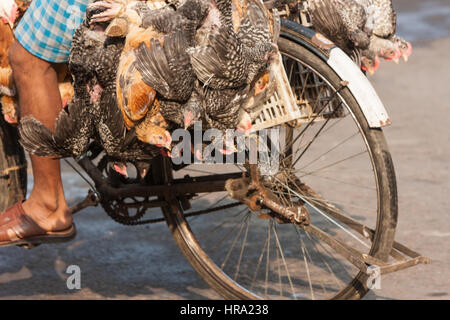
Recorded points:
(48,217)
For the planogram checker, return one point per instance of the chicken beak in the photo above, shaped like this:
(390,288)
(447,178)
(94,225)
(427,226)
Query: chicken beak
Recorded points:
(405,58)
(371,71)
(396,60)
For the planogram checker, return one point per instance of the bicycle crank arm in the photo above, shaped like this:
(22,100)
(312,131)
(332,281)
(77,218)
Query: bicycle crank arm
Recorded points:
(91,200)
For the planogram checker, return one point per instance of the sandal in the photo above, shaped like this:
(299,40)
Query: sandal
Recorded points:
(18,229)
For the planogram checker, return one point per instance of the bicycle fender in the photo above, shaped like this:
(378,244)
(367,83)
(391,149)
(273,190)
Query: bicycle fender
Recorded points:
(358,84)
(362,90)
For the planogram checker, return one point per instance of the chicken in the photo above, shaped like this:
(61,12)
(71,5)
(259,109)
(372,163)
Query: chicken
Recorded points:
(7,89)
(369,62)
(375,22)
(404,46)
(221,108)
(187,17)
(220,59)
(67,92)
(167,68)
(381,17)
(70,138)
(134,96)
(343,22)
(384,48)
(6,80)
(152,130)
(253,22)
(382,21)
(183,114)
(122,15)
(154,60)
(121,146)
(10,109)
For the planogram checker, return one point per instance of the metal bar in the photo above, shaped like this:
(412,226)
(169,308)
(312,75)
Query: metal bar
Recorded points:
(338,246)
(212,183)
(403,265)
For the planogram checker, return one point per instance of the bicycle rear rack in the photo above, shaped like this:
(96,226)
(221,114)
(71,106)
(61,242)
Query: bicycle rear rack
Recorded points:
(403,256)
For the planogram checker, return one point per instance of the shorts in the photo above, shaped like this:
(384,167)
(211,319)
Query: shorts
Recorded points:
(47,28)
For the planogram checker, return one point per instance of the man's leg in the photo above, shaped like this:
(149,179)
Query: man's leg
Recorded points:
(37,86)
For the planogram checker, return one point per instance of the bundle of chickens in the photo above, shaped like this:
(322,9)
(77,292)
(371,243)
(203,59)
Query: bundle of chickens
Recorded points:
(143,68)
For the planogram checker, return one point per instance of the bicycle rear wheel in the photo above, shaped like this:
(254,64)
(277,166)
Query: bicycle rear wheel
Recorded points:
(335,165)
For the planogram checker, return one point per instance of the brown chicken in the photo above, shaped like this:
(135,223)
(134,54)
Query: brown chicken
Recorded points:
(136,99)
(152,129)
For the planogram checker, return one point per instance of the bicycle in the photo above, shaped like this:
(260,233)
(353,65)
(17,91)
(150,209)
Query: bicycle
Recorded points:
(322,226)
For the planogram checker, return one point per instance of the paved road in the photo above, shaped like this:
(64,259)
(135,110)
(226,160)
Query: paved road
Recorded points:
(118,262)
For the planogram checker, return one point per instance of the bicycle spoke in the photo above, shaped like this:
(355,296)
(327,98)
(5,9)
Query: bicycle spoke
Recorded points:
(323,214)
(234,243)
(306,266)
(334,163)
(327,152)
(247,222)
(284,260)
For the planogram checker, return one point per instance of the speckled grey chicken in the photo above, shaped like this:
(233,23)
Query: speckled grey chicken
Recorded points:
(364,29)
(252,23)
(381,17)
(183,114)
(221,59)
(342,21)
(71,136)
(222,108)
(382,23)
